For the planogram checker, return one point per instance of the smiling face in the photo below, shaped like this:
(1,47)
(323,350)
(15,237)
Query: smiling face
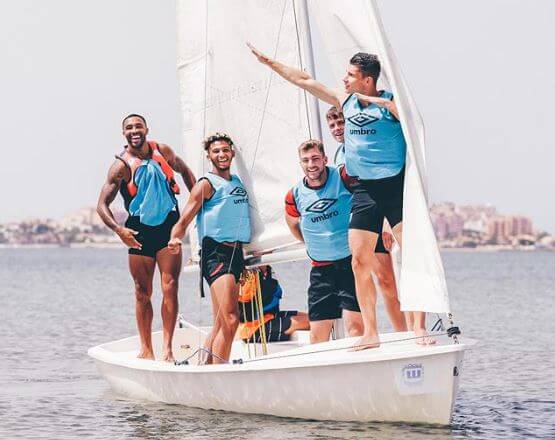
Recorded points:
(313,162)
(221,154)
(135,131)
(337,128)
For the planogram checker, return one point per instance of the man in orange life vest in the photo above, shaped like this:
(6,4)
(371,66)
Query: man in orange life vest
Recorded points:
(144,174)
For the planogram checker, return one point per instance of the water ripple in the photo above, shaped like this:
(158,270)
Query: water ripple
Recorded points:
(61,302)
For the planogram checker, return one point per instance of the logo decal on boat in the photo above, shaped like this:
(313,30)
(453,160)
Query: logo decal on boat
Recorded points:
(413,373)
(238,191)
(362,119)
(321,205)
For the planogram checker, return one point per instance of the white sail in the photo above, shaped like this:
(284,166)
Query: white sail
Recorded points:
(224,88)
(351,26)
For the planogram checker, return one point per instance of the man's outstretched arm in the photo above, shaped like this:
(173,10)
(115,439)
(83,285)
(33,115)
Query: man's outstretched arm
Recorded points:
(388,104)
(301,79)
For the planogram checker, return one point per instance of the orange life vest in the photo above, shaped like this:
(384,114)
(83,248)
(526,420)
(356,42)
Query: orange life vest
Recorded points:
(249,328)
(134,162)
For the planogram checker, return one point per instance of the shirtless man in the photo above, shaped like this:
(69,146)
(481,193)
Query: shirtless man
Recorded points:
(220,203)
(317,213)
(144,174)
(375,151)
(384,267)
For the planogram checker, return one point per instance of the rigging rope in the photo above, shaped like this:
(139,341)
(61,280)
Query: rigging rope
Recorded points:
(266,99)
(201,280)
(246,206)
(301,66)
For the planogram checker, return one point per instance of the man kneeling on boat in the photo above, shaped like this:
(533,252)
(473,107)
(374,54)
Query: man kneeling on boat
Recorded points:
(260,289)
(317,212)
(220,203)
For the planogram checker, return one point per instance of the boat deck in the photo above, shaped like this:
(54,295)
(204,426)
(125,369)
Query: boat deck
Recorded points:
(295,353)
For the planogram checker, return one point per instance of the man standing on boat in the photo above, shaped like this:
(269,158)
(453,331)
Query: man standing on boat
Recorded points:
(144,174)
(220,203)
(375,151)
(384,265)
(317,212)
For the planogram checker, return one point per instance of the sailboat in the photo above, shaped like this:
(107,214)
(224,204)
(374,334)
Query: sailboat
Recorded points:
(223,88)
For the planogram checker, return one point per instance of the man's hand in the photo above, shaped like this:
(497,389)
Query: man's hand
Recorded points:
(380,102)
(128,237)
(174,245)
(259,55)
(387,240)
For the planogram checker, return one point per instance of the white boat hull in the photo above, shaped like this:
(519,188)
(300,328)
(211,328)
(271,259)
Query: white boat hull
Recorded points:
(399,382)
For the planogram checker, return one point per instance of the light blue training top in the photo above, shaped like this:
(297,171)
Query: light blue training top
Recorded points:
(225,216)
(325,214)
(154,199)
(339,156)
(375,146)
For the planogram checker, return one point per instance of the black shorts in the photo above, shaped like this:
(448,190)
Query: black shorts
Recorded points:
(375,199)
(152,238)
(332,289)
(276,328)
(217,259)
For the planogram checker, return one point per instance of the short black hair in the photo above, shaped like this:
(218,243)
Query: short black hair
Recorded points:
(215,138)
(368,64)
(133,115)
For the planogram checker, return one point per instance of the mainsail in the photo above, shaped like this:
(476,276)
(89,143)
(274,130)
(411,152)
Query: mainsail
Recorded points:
(224,89)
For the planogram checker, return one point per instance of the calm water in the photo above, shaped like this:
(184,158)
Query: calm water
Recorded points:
(56,303)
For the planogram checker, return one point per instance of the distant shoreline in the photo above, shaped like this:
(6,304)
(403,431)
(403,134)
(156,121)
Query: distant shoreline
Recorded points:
(122,247)
(69,246)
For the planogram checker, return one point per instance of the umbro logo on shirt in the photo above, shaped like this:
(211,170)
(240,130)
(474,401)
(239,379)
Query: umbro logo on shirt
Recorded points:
(238,191)
(321,205)
(362,119)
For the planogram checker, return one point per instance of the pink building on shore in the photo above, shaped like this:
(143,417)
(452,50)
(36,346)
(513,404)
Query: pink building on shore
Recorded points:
(480,222)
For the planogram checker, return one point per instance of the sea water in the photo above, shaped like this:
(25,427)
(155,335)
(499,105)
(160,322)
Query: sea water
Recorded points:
(56,303)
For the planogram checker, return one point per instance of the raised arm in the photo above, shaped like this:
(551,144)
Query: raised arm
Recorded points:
(178,165)
(201,191)
(301,79)
(116,177)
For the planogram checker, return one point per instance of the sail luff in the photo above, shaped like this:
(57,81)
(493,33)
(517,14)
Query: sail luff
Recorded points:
(308,56)
(422,284)
(355,26)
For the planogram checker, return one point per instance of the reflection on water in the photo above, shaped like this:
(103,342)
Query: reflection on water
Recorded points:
(58,303)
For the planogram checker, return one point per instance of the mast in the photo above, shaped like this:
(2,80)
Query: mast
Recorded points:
(308,52)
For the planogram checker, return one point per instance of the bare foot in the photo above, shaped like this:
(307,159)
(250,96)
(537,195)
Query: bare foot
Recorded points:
(168,356)
(423,338)
(366,342)
(146,354)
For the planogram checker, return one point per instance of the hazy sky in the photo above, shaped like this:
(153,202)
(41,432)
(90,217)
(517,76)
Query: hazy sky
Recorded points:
(481,72)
